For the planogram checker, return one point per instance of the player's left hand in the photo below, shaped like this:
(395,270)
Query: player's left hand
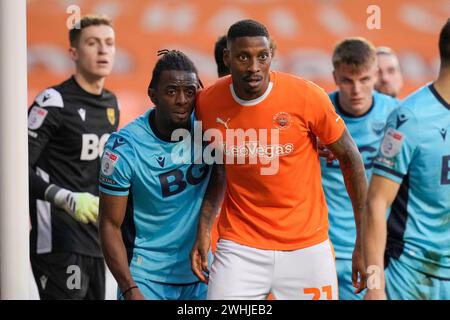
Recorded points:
(359,275)
(199,256)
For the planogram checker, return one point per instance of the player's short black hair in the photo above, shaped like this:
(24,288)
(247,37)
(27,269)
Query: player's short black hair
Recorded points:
(444,44)
(247,28)
(171,60)
(219,46)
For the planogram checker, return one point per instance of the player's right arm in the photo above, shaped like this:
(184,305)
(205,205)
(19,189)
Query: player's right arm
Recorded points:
(400,141)
(356,184)
(115,178)
(329,127)
(112,213)
(382,192)
(44,122)
(210,206)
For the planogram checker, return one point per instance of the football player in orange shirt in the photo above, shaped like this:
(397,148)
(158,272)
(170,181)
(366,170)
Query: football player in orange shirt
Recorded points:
(273,226)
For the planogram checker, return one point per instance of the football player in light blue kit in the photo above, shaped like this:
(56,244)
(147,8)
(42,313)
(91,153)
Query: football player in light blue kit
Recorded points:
(412,173)
(364,112)
(150,200)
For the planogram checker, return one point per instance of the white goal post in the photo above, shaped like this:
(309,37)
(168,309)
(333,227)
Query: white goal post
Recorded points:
(14,216)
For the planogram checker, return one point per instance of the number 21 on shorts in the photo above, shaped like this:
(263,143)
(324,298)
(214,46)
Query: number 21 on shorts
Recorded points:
(317,292)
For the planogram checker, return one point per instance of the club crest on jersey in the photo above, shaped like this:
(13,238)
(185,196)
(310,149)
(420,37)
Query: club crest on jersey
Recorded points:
(36,118)
(392,143)
(111,115)
(282,120)
(378,127)
(109,162)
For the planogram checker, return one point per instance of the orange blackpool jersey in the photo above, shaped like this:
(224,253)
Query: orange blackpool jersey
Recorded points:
(283,208)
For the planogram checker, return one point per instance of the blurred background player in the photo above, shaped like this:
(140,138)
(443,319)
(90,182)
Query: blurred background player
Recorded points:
(390,79)
(68,127)
(150,203)
(219,46)
(273,233)
(365,113)
(412,173)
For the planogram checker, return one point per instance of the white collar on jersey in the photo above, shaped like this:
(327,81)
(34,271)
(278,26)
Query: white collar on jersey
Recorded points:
(247,103)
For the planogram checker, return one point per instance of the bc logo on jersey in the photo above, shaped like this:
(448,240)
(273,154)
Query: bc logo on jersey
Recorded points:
(445,176)
(92,146)
(173,182)
(368,154)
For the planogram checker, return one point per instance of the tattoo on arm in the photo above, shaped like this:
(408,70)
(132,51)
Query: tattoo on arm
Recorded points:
(213,198)
(353,171)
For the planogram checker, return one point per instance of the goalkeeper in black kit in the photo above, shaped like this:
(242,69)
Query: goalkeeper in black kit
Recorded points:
(68,125)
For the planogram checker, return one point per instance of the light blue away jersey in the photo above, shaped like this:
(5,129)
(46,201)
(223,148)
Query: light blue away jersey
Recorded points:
(367,132)
(415,153)
(164,199)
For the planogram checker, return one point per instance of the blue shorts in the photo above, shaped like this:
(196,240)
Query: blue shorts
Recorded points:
(406,283)
(346,289)
(165,291)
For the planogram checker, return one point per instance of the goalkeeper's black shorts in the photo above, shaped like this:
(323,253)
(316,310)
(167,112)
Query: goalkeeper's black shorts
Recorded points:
(68,275)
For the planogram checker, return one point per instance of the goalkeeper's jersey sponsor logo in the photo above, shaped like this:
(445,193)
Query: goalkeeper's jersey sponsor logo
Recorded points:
(92,146)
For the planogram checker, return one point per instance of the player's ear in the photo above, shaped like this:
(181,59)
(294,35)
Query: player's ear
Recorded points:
(152,95)
(377,73)
(73,53)
(226,57)
(334,77)
(273,47)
